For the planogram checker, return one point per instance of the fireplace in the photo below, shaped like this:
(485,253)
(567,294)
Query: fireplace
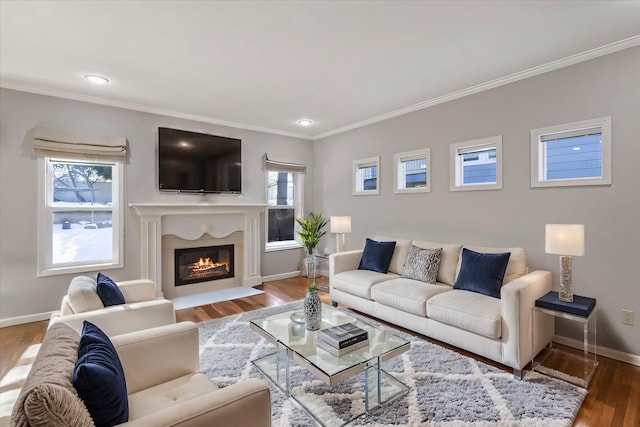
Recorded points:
(203,264)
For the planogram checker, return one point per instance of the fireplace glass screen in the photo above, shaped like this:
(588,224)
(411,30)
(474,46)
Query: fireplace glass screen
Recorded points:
(194,265)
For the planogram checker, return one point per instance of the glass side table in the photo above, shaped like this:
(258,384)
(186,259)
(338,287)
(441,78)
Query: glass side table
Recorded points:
(575,368)
(321,260)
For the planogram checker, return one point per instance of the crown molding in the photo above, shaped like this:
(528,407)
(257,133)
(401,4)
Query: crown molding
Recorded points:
(521,75)
(511,78)
(60,93)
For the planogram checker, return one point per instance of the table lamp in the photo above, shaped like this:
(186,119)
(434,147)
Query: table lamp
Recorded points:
(340,225)
(566,240)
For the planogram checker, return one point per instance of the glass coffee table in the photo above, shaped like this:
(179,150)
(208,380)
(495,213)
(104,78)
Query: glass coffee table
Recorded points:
(295,343)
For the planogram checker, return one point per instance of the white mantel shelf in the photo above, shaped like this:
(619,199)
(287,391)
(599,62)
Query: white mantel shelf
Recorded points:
(147,209)
(190,221)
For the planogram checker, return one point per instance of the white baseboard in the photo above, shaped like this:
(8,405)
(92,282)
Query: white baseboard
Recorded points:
(281,276)
(632,359)
(29,318)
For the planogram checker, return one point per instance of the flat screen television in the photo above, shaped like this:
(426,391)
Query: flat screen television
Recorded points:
(193,162)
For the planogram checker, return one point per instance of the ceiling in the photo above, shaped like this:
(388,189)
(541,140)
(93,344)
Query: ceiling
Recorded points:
(264,65)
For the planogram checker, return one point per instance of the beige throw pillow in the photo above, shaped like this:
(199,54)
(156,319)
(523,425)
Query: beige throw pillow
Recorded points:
(82,295)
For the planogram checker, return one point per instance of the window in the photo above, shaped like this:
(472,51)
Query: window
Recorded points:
(476,165)
(81,218)
(366,176)
(284,204)
(572,154)
(412,170)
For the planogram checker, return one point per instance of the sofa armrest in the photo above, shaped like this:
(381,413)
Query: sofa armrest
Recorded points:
(246,403)
(124,318)
(344,261)
(138,290)
(155,356)
(518,299)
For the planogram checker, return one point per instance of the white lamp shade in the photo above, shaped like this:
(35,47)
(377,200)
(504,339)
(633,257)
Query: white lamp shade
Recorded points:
(564,239)
(340,224)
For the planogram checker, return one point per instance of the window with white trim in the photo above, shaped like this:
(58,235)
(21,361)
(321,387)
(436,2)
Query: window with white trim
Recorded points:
(412,171)
(80,227)
(572,154)
(476,164)
(366,176)
(284,184)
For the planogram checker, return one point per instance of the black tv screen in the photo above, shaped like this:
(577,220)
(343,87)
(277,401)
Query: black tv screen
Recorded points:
(198,163)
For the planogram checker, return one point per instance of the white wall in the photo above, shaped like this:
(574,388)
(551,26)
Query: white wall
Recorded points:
(517,214)
(24,294)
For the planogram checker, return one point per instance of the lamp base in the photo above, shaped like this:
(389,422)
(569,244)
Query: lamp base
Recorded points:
(566,282)
(339,242)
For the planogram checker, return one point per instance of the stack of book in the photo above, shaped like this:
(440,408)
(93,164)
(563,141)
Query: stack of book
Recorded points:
(340,340)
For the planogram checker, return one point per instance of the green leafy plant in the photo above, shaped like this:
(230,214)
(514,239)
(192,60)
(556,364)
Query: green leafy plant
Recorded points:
(312,288)
(311,230)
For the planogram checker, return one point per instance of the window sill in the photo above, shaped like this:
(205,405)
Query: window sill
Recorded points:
(77,269)
(282,246)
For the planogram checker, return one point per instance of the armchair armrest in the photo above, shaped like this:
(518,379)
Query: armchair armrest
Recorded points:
(124,318)
(246,403)
(138,290)
(518,299)
(344,261)
(158,355)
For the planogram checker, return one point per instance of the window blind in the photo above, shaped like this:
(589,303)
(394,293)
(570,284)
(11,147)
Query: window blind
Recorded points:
(273,165)
(52,143)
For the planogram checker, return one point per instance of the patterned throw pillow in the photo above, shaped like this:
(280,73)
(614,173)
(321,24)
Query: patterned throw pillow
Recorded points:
(422,264)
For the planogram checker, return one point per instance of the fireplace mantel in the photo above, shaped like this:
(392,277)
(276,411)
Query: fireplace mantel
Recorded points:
(191,221)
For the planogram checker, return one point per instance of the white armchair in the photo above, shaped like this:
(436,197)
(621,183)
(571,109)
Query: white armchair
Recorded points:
(141,310)
(164,386)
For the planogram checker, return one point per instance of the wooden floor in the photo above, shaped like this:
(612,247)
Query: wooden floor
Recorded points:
(613,399)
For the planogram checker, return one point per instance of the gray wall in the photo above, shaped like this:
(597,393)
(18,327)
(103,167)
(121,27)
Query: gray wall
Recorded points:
(517,214)
(21,292)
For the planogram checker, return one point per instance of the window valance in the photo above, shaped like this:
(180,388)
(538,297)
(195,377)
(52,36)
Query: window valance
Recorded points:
(51,142)
(272,165)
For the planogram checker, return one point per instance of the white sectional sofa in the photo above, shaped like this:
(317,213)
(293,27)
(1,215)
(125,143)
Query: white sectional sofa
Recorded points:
(496,328)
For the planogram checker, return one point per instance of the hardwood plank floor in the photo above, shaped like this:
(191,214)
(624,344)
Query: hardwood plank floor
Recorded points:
(613,399)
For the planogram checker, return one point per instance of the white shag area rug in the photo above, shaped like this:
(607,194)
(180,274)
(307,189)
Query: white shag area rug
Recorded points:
(446,388)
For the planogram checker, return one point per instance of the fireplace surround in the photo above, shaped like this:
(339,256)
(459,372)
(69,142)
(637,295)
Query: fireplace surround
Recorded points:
(192,224)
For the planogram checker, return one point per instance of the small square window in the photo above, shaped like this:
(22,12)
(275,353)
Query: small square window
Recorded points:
(572,154)
(412,171)
(476,165)
(366,176)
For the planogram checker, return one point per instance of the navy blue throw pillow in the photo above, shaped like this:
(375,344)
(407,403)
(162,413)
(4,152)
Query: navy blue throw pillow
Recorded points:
(482,272)
(377,256)
(108,291)
(98,378)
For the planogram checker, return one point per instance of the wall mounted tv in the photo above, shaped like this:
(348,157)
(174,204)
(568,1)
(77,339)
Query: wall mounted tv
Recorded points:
(193,162)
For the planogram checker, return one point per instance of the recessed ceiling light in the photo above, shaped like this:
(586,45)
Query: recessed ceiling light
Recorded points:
(576,148)
(96,79)
(305,122)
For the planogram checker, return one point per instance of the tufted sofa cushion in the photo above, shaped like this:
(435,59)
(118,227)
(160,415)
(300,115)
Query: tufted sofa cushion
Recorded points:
(47,397)
(166,395)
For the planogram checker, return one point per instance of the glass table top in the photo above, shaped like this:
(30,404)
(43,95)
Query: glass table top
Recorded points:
(279,328)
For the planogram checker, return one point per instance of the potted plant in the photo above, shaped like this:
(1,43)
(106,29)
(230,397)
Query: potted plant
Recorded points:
(311,230)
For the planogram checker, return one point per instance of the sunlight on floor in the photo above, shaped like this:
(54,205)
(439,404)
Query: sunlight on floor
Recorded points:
(11,383)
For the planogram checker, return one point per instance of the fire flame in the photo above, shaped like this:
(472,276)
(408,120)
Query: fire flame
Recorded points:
(205,264)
